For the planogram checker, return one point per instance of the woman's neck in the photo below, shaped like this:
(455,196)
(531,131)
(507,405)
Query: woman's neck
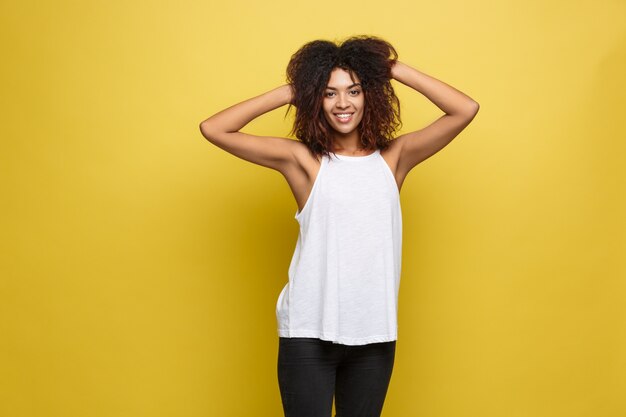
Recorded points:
(348,144)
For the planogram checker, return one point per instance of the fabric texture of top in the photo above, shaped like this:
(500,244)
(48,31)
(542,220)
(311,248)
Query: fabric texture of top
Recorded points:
(344,275)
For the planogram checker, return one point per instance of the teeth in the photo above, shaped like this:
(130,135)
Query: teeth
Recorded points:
(344,116)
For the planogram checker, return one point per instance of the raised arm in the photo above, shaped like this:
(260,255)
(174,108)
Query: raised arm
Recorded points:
(460,110)
(222,130)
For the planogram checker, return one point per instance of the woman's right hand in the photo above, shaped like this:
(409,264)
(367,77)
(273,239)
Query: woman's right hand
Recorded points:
(289,94)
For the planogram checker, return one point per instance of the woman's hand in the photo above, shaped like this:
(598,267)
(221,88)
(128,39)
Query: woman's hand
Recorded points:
(447,98)
(288,93)
(396,68)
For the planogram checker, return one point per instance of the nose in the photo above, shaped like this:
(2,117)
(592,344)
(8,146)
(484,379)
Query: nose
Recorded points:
(342,101)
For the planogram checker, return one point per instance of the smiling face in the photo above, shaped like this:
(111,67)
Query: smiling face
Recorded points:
(343,101)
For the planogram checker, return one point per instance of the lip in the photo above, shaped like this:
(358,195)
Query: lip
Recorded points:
(346,120)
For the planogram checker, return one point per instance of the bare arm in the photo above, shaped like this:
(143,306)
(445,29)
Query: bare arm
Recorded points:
(222,129)
(460,110)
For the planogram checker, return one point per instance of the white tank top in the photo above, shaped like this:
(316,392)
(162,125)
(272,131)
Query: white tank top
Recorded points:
(344,275)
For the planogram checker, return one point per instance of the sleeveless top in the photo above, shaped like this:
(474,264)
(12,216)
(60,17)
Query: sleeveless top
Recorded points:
(344,275)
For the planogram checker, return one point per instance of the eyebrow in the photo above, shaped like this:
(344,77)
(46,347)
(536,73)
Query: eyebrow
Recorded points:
(349,87)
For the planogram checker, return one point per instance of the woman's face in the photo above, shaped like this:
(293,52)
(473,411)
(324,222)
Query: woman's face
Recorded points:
(343,101)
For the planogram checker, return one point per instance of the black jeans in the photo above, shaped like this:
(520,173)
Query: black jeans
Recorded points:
(311,371)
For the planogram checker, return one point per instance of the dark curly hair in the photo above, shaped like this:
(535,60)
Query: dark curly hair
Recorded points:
(308,73)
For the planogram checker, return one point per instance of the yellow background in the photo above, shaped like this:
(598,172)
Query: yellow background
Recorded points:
(141,265)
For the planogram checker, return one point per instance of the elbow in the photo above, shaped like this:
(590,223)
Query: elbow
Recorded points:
(467,110)
(205,130)
(472,109)
(204,124)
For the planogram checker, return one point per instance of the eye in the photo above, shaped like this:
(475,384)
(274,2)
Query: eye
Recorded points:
(356,92)
(328,93)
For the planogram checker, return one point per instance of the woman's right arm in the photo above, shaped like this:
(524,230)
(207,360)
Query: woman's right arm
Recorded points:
(222,130)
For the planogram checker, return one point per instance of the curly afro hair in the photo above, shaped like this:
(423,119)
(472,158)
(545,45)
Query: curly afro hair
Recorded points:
(308,72)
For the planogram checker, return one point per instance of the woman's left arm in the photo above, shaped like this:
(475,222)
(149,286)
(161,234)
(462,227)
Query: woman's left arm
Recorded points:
(460,110)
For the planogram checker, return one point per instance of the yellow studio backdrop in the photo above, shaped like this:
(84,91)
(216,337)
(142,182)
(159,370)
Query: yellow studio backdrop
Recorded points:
(141,265)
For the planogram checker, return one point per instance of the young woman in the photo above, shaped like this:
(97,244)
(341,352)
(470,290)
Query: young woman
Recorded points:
(337,314)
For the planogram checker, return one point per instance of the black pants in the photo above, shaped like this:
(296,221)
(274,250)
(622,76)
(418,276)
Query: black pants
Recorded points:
(311,370)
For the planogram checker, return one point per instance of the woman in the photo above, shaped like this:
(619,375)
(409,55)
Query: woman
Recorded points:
(337,315)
